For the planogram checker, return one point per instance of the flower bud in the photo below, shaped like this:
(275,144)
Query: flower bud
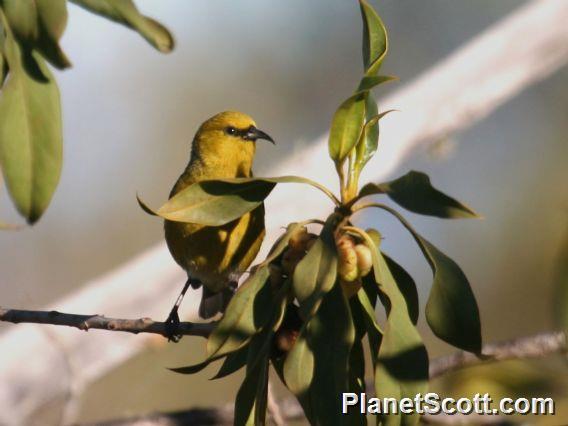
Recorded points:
(347,268)
(364,259)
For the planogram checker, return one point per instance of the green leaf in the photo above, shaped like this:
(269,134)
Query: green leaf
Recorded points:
(375,40)
(298,368)
(232,363)
(217,202)
(346,127)
(407,287)
(369,82)
(126,13)
(247,312)
(451,310)
(369,138)
(52,16)
(3,62)
(414,192)
(374,332)
(30,135)
(22,17)
(402,363)
(251,401)
(316,273)
(331,334)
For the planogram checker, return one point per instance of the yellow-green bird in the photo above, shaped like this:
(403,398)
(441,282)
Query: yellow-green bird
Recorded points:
(215,256)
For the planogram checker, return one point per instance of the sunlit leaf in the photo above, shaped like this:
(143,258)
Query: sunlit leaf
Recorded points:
(126,13)
(369,138)
(52,18)
(346,127)
(375,40)
(217,202)
(30,135)
(369,82)
(316,273)
(414,192)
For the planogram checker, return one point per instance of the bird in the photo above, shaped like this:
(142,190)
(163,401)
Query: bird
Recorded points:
(214,257)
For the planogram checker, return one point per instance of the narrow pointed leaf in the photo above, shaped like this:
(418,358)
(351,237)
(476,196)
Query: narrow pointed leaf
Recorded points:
(30,135)
(126,13)
(369,82)
(316,273)
(232,363)
(414,192)
(298,368)
(375,40)
(22,18)
(52,20)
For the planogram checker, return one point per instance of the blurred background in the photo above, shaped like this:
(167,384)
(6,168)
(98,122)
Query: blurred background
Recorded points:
(130,114)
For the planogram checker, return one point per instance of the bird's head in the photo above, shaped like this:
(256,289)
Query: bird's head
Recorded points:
(229,134)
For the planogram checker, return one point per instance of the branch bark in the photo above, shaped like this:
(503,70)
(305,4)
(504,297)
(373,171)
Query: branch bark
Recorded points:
(99,322)
(536,346)
(453,95)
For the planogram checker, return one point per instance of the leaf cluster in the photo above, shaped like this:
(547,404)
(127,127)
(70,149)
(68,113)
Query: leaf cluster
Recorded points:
(30,111)
(298,313)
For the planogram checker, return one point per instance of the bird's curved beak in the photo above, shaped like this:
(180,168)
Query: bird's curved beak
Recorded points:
(253,134)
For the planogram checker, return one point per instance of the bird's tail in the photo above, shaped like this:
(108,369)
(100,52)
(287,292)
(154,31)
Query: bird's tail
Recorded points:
(213,303)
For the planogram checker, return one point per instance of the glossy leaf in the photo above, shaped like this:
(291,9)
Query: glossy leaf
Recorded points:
(369,138)
(414,192)
(346,127)
(30,134)
(375,40)
(247,312)
(402,363)
(367,297)
(126,13)
(217,202)
(316,273)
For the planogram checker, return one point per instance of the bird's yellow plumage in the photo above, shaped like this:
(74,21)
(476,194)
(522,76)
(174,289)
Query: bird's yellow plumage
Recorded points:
(223,147)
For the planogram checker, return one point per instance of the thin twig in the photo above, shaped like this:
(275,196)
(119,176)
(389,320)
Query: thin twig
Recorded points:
(536,346)
(99,322)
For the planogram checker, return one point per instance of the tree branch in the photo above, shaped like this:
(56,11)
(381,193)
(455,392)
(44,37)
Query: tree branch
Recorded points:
(536,346)
(99,322)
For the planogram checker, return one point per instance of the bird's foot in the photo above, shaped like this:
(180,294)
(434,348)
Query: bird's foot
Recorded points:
(172,326)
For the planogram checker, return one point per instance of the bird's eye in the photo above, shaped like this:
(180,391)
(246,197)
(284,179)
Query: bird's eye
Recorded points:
(231,130)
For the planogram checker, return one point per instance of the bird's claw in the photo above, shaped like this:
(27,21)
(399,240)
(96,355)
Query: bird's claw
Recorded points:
(172,327)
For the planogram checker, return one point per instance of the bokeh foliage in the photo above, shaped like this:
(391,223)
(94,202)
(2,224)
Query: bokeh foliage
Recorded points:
(307,309)
(31,140)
